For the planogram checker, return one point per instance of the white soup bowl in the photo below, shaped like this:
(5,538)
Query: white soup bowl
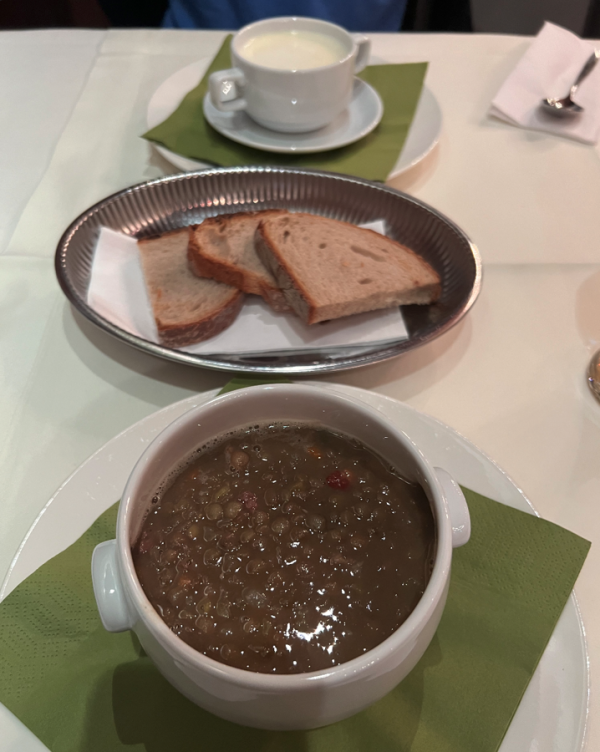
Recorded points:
(294,701)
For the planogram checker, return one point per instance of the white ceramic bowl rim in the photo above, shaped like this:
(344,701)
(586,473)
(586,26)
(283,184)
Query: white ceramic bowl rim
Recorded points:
(273,682)
(248,30)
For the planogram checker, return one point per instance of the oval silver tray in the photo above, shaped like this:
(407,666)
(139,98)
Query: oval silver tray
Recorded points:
(176,201)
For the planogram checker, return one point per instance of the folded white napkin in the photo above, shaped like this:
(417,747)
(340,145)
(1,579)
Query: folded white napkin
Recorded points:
(549,69)
(117,292)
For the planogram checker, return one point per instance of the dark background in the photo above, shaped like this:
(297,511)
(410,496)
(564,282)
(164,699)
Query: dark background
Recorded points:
(31,14)
(421,15)
(91,14)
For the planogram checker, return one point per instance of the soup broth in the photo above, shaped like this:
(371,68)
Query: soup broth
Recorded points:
(286,549)
(293,50)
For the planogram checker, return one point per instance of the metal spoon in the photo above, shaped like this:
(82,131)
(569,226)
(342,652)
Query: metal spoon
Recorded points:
(566,106)
(594,375)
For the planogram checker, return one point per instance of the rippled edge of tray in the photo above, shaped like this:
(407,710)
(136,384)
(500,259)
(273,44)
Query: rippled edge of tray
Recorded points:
(175,201)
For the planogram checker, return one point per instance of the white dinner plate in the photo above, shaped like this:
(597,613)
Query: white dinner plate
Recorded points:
(422,137)
(553,712)
(360,117)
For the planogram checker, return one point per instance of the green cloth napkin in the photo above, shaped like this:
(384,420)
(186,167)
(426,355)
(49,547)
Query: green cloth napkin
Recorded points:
(186,131)
(81,689)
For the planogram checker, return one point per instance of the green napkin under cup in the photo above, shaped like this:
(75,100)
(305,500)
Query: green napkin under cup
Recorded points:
(186,131)
(80,689)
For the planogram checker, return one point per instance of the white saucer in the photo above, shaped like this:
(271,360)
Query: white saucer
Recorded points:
(361,116)
(422,137)
(553,712)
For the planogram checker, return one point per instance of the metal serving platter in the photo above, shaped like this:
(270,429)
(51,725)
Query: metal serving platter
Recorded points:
(176,201)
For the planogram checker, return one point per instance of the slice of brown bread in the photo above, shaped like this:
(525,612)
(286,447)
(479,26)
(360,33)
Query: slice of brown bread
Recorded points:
(187,309)
(222,248)
(328,269)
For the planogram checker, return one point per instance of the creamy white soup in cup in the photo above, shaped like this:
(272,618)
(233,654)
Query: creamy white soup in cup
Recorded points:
(276,701)
(290,74)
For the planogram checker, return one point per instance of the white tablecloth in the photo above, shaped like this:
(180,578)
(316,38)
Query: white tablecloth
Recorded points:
(510,377)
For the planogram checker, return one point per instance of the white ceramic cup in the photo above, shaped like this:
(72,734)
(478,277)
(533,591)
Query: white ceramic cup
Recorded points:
(294,701)
(291,101)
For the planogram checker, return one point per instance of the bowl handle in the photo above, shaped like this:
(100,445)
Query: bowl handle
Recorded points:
(458,510)
(226,89)
(363,44)
(108,588)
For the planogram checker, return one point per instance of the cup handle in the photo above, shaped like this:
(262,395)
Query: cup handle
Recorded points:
(364,51)
(226,90)
(108,588)
(458,511)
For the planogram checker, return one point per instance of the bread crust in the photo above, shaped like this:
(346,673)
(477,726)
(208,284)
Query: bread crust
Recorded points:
(204,261)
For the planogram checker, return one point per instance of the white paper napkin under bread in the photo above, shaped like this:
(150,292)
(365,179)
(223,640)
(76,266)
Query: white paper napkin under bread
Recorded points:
(117,292)
(548,69)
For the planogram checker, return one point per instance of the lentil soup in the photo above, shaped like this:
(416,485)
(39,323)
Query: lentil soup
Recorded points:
(286,549)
